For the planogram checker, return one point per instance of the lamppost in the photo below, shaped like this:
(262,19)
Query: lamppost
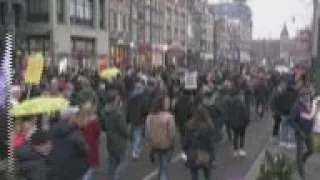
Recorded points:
(315,45)
(216,27)
(131,50)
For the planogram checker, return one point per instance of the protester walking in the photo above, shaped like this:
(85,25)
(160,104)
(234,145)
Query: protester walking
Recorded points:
(89,126)
(303,126)
(117,135)
(160,134)
(69,150)
(199,144)
(136,114)
(239,120)
(32,157)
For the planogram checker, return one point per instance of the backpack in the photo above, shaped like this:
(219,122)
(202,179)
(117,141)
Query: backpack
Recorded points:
(160,130)
(201,157)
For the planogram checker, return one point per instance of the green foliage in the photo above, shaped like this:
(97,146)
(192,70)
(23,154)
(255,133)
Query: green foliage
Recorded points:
(276,167)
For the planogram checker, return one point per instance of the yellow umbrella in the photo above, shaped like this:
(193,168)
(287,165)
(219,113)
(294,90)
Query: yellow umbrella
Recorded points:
(39,105)
(109,73)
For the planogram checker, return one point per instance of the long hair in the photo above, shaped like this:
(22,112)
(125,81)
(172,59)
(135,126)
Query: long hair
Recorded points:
(85,113)
(158,104)
(201,116)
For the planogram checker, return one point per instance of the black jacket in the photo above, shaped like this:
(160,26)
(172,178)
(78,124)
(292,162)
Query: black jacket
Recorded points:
(200,138)
(136,107)
(283,102)
(32,165)
(69,152)
(239,115)
(183,110)
(117,130)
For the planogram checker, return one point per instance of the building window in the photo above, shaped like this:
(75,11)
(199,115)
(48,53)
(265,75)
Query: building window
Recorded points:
(115,21)
(39,44)
(83,51)
(124,23)
(60,11)
(2,14)
(17,15)
(37,11)
(183,32)
(102,13)
(81,12)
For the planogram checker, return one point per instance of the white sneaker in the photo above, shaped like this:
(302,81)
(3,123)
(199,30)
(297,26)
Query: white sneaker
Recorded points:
(283,144)
(184,156)
(242,153)
(236,153)
(291,145)
(135,156)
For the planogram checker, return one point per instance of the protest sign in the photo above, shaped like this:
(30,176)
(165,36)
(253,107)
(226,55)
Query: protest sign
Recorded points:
(34,69)
(191,80)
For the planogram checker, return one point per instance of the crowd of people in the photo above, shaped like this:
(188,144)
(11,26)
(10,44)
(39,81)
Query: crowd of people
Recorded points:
(151,107)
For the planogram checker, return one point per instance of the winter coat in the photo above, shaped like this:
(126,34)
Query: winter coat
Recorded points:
(216,113)
(239,115)
(136,107)
(221,104)
(198,138)
(301,125)
(69,152)
(183,111)
(117,130)
(32,165)
(283,102)
(91,133)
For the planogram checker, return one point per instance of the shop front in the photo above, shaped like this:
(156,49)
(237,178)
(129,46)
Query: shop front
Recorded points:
(119,53)
(158,55)
(144,55)
(175,55)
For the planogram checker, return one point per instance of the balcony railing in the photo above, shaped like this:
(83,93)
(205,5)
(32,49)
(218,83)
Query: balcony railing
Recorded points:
(38,17)
(80,21)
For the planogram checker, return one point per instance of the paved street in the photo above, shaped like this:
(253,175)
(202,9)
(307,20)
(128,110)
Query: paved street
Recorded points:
(228,168)
(312,165)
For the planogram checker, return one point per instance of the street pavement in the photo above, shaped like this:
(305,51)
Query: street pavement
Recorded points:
(228,168)
(311,167)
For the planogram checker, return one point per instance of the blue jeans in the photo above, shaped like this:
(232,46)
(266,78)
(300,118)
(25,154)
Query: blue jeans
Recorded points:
(88,175)
(286,131)
(164,162)
(116,166)
(137,142)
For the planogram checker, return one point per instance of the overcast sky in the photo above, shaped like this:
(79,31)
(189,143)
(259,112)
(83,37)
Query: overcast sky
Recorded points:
(270,15)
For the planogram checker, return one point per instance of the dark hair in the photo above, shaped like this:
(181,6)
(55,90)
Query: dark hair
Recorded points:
(40,137)
(158,104)
(111,96)
(201,115)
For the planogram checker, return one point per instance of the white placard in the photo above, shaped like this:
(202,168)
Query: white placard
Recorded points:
(191,80)
(63,64)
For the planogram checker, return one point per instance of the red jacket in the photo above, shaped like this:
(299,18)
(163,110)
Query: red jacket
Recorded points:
(91,133)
